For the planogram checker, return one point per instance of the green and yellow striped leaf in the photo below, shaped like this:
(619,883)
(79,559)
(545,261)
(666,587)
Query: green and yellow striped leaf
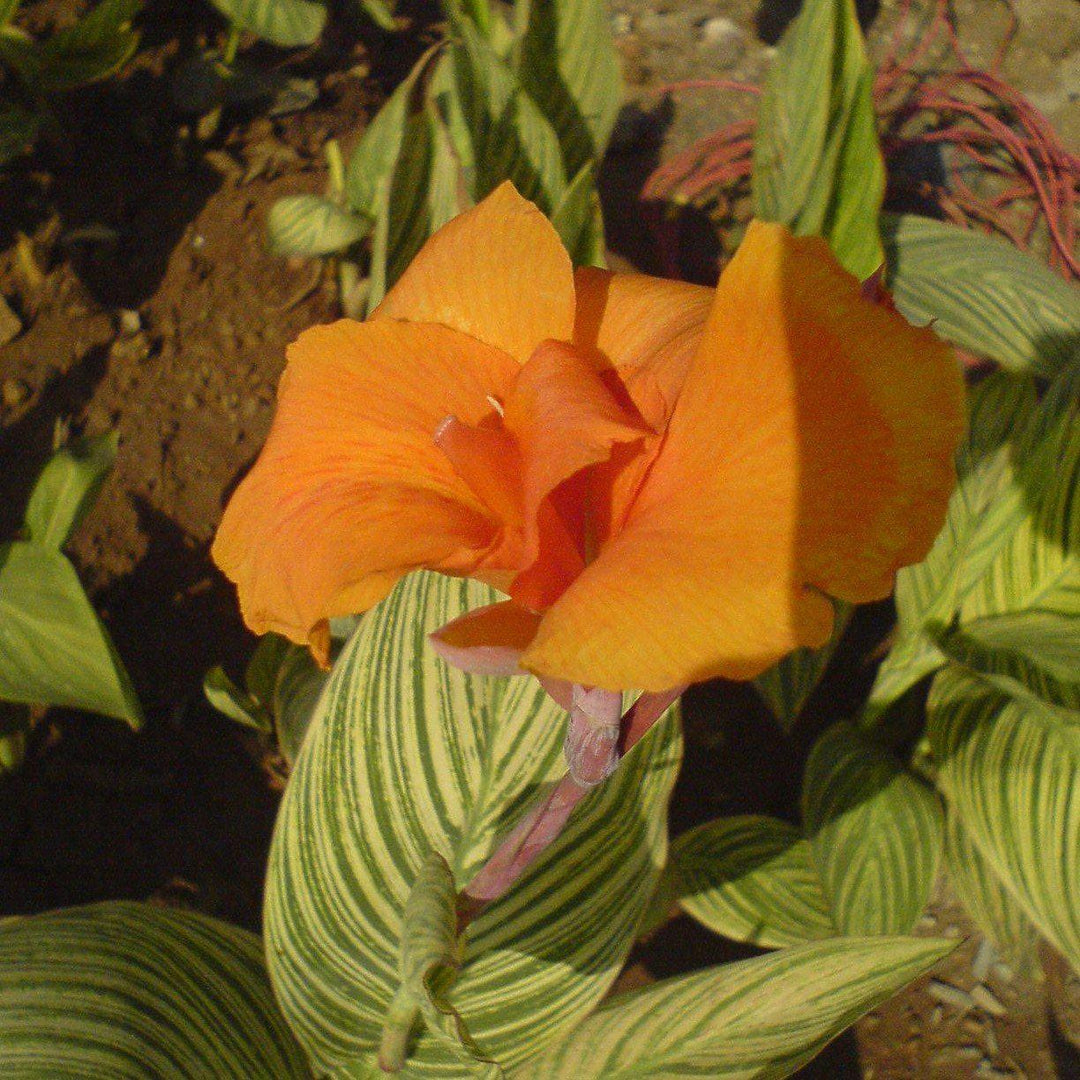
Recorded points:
(1010,770)
(308,226)
(565,59)
(406,756)
(982,294)
(875,831)
(786,686)
(126,991)
(987,506)
(994,909)
(817,164)
(281,22)
(511,138)
(752,879)
(761,1018)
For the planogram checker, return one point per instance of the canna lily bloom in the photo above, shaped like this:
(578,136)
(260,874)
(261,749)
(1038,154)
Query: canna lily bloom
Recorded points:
(667,481)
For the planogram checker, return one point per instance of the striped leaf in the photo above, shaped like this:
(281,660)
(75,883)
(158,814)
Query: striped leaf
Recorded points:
(281,22)
(875,831)
(982,294)
(511,138)
(565,59)
(752,879)
(985,509)
(760,1018)
(786,686)
(309,226)
(125,991)
(994,909)
(1010,770)
(817,164)
(406,756)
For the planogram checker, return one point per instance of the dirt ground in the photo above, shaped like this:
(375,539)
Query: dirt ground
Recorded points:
(158,312)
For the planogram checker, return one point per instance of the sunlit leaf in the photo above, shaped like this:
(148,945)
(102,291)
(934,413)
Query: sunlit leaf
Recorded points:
(995,910)
(1010,770)
(405,756)
(67,488)
(752,879)
(129,991)
(817,164)
(281,22)
(578,220)
(565,59)
(53,648)
(983,294)
(312,225)
(759,1018)
(875,831)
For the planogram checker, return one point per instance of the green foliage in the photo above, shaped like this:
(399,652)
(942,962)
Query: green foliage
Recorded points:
(863,863)
(312,225)
(53,647)
(97,45)
(817,164)
(281,22)
(764,1017)
(448,763)
(128,991)
(983,295)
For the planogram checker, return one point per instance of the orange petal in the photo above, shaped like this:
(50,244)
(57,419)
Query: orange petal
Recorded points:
(811,448)
(646,327)
(487,641)
(564,419)
(497,272)
(350,492)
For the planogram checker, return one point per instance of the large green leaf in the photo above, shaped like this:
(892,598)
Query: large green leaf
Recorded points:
(579,222)
(982,294)
(407,756)
(312,225)
(760,1018)
(127,991)
(53,648)
(281,22)
(565,59)
(511,138)
(986,507)
(875,831)
(817,164)
(67,488)
(990,904)
(752,879)
(1010,769)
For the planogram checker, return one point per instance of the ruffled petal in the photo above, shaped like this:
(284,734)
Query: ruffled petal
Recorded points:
(811,449)
(350,491)
(487,641)
(497,272)
(564,419)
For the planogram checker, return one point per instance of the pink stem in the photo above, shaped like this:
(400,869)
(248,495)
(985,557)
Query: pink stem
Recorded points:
(544,822)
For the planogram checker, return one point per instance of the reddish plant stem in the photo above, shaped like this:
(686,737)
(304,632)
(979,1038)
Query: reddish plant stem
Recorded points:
(544,822)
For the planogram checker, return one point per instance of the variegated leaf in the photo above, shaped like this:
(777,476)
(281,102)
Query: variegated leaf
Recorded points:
(407,756)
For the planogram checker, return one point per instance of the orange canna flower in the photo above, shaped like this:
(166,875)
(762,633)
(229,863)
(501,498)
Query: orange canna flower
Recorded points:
(667,481)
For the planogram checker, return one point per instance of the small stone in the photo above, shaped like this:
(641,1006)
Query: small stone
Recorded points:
(950,995)
(985,956)
(14,393)
(1002,972)
(987,1001)
(129,321)
(725,42)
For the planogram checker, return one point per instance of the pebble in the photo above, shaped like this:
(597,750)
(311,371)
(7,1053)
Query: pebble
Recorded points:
(951,995)
(987,1001)
(129,321)
(725,42)
(985,956)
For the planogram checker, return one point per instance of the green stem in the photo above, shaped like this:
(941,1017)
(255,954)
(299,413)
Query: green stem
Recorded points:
(335,165)
(401,1014)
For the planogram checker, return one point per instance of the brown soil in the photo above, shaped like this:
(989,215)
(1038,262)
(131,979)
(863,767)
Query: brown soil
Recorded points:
(131,215)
